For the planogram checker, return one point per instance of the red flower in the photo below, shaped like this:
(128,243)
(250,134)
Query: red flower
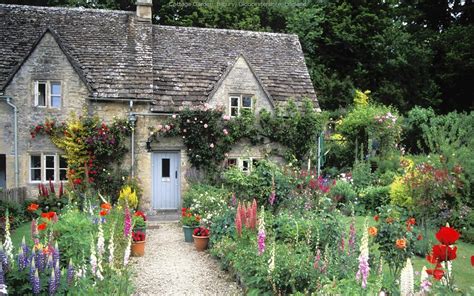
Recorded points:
(444,253)
(419,237)
(138,236)
(201,231)
(48,215)
(33,207)
(411,221)
(103,212)
(42,226)
(436,273)
(140,214)
(77,181)
(376,218)
(472,260)
(432,259)
(106,206)
(447,235)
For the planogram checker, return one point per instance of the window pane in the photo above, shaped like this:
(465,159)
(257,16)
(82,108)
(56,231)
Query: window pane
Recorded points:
(245,165)
(63,175)
(165,168)
(56,101)
(234,111)
(35,161)
(231,162)
(55,88)
(234,101)
(49,174)
(41,94)
(49,161)
(247,102)
(254,163)
(62,162)
(36,175)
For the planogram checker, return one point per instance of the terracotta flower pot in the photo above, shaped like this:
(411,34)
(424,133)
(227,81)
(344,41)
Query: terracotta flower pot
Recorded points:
(200,242)
(138,249)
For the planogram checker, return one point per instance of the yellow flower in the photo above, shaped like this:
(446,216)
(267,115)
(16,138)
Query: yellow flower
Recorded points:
(128,195)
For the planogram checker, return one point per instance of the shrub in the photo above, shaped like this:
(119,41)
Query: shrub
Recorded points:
(362,174)
(373,197)
(343,192)
(206,200)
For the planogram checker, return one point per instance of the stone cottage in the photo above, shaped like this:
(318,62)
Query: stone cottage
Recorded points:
(116,63)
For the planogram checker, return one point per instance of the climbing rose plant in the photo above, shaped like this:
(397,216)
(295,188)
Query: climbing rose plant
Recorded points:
(91,147)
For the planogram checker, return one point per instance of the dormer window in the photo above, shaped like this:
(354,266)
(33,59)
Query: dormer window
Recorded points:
(48,94)
(237,103)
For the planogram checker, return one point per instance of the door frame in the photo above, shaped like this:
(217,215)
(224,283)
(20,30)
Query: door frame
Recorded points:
(153,153)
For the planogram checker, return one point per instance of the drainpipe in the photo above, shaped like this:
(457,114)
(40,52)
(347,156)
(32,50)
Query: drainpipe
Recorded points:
(15,127)
(132,119)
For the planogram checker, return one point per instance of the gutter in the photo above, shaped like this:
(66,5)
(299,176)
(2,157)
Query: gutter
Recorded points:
(8,100)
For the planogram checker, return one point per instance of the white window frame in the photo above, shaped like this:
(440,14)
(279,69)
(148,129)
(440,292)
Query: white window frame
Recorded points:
(43,168)
(240,163)
(48,101)
(240,105)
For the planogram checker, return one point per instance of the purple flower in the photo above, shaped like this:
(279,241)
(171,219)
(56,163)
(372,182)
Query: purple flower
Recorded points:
(128,223)
(352,237)
(36,283)
(22,260)
(57,275)
(52,283)
(272,197)
(234,200)
(261,242)
(363,272)
(70,273)
(56,255)
(3,287)
(39,260)
(3,258)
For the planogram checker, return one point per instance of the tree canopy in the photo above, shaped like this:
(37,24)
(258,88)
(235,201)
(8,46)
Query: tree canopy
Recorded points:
(406,52)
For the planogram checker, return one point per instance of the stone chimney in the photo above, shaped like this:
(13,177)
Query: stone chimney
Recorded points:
(144,10)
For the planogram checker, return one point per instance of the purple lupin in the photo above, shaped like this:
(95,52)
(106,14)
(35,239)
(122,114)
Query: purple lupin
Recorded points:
(36,283)
(3,287)
(56,255)
(21,259)
(52,283)
(57,275)
(3,258)
(70,273)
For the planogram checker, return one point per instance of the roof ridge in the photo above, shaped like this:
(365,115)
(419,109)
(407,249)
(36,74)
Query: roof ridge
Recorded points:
(227,30)
(62,8)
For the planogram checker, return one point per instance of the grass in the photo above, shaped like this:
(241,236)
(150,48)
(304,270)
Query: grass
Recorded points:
(463,271)
(17,235)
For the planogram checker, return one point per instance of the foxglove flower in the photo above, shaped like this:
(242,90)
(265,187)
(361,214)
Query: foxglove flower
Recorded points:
(317,259)
(126,256)
(128,223)
(93,259)
(406,279)
(272,197)
(261,232)
(352,237)
(271,261)
(7,245)
(253,215)
(363,272)
(70,273)
(234,200)
(111,247)
(52,283)
(100,251)
(3,287)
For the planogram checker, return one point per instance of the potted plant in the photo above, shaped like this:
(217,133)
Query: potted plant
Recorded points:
(138,243)
(201,238)
(138,234)
(139,221)
(189,222)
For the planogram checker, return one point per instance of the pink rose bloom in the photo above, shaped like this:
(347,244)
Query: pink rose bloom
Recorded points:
(205,125)
(174,116)
(212,145)
(225,132)
(226,117)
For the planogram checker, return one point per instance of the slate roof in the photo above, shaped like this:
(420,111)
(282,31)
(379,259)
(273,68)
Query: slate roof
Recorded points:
(118,56)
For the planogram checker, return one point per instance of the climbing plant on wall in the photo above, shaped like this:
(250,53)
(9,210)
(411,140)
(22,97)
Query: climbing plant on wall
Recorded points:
(91,148)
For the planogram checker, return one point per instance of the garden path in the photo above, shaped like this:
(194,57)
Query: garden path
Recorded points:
(173,267)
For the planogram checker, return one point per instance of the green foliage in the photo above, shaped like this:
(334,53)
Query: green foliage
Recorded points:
(297,130)
(362,174)
(207,201)
(223,225)
(259,183)
(413,131)
(343,192)
(373,197)
(17,213)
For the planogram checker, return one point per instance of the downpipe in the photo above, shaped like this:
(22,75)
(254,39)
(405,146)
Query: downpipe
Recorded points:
(8,100)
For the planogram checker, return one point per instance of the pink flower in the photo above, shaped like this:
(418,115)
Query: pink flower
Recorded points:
(205,125)
(225,132)
(174,116)
(226,117)
(261,242)
(212,145)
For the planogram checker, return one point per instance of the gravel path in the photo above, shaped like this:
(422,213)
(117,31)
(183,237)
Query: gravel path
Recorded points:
(173,267)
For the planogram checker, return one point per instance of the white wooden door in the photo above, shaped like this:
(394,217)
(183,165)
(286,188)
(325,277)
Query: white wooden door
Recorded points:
(166,185)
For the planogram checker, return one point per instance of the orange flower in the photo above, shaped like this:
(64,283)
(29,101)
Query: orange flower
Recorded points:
(32,207)
(372,231)
(401,243)
(389,220)
(42,226)
(106,206)
(411,221)
(103,213)
(48,215)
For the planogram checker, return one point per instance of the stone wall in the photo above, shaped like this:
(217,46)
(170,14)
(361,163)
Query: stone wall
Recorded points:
(46,62)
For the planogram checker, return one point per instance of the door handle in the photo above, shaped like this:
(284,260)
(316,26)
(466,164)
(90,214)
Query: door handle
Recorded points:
(176,174)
